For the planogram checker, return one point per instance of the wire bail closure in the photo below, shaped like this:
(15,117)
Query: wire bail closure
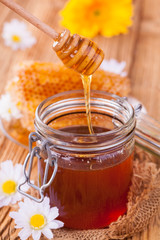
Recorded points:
(50,161)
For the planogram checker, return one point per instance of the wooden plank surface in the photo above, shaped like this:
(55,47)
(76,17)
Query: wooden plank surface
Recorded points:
(140,49)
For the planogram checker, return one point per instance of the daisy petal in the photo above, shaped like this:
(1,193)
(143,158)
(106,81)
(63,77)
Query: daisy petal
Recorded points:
(55,224)
(53,213)
(47,233)
(36,234)
(18,171)
(60,224)
(114,66)
(5,201)
(46,201)
(13,214)
(46,204)
(24,234)
(7,165)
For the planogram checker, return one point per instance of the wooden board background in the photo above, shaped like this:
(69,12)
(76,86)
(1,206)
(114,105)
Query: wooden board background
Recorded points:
(140,49)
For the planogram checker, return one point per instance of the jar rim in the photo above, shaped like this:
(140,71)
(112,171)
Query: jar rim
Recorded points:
(85,142)
(62,133)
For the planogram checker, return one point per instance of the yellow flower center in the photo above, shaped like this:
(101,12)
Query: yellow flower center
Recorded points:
(37,221)
(9,187)
(96,12)
(16,38)
(9,110)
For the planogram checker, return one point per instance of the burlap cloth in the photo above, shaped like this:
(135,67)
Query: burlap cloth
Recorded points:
(143,203)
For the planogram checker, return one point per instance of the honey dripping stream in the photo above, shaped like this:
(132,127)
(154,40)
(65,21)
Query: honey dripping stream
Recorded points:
(82,55)
(86,80)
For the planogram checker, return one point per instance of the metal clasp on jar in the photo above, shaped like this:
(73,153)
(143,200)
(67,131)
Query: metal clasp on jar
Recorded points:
(50,161)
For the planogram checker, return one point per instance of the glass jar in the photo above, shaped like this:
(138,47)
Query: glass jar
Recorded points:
(86,176)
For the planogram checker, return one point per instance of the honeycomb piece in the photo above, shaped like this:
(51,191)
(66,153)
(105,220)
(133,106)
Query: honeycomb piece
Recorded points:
(35,81)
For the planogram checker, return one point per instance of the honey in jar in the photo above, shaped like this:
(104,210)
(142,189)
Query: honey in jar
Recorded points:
(94,170)
(88,194)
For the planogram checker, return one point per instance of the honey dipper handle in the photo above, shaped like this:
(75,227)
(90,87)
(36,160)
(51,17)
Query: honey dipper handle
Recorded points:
(30,18)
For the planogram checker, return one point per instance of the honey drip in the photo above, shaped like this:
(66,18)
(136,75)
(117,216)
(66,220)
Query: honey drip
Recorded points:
(86,80)
(82,55)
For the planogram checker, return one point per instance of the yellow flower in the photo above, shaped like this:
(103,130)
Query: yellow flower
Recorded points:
(92,17)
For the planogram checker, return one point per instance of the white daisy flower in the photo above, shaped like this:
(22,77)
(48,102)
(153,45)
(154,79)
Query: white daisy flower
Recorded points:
(36,219)
(114,66)
(10,177)
(16,35)
(8,108)
(15,79)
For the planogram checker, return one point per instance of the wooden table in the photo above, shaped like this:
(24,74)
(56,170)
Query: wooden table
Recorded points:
(140,49)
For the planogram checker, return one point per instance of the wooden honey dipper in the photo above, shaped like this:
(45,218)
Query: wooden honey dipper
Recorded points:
(76,52)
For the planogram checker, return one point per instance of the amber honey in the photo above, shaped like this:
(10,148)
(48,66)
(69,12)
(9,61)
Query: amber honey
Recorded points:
(86,80)
(90,191)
